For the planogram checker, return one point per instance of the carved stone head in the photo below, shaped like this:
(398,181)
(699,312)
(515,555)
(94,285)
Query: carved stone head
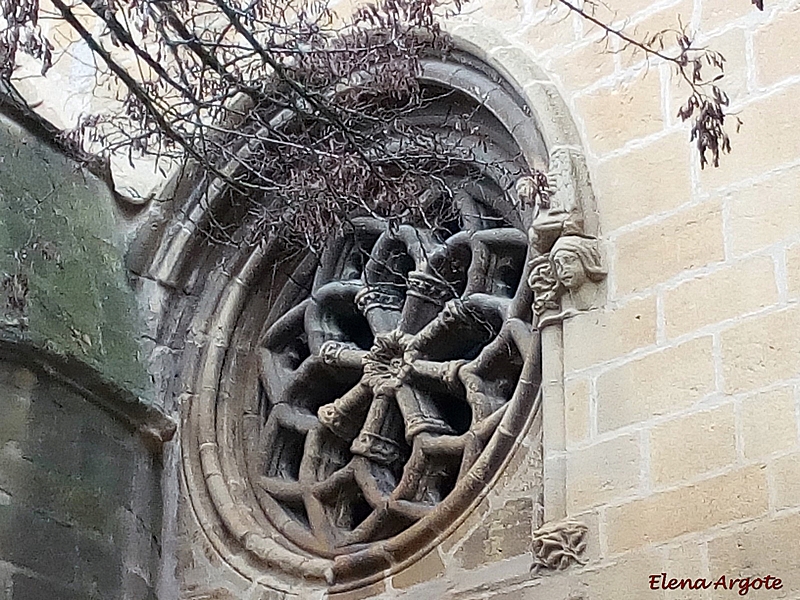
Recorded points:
(526,189)
(576,260)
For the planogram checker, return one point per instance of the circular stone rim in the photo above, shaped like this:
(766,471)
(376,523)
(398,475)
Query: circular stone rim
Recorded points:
(348,571)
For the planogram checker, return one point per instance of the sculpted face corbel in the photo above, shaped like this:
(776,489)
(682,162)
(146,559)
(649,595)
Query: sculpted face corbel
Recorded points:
(566,271)
(568,278)
(577,266)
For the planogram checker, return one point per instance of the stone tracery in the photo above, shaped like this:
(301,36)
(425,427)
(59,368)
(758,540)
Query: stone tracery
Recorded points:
(422,350)
(351,415)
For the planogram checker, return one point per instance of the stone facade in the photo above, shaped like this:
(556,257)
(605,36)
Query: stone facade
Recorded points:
(81,431)
(80,496)
(668,435)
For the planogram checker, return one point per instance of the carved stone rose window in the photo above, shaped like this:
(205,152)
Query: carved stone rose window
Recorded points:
(348,409)
(383,386)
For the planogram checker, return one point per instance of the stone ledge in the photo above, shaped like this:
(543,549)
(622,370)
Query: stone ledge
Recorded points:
(137,413)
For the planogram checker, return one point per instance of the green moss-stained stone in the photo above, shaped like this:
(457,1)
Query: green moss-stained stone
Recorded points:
(59,228)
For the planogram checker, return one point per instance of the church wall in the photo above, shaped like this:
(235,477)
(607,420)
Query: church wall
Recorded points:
(80,509)
(680,419)
(681,404)
(681,394)
(80,430)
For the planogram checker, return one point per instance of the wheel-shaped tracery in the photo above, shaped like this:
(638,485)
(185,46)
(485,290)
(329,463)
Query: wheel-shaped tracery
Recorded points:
(346,410)
(381,388)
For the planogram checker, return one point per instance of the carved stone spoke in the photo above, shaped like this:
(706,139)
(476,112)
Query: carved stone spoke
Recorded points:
(391,379)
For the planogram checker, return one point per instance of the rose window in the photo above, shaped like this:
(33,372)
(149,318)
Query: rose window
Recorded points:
(382,387)
(347,409)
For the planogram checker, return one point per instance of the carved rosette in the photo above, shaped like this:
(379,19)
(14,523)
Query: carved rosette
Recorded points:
(559,545)
(345,411)
(382,389)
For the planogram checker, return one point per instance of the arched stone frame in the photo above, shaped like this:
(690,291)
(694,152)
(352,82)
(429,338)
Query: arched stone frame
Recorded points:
(555,123)
(541,125)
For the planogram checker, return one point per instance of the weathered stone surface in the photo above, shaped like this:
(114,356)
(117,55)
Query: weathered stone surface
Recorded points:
(734,496)
(774,219)
(657,18)
(776,56)
(25,587)
(477,516)
(768,422)
(718,13)
(785,481)
(576,399)
(751,552)
(65,300)
(761,350)
(506,532)
(425,569)
(602,472)
(744,287)
(623,579)
(643,182)
(362,593)
(549,29)
(687,446)
(657,384)
(599,336)
(686,560)
(584,66)
(80,513)
(793,270)
(654,253)
(618,114)
(758,153)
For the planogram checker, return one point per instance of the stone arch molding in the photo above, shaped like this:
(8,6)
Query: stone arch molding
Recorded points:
(337,421)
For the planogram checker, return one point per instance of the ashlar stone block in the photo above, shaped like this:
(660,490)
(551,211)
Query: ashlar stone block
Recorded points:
(734,496)
(777,54)
(585,65)
(785,481)
(652,254)
(658,384)
(505,533)
(687,446)
(742,288)
(718,13)
(768,423)
(598,336)
(603,471)
(757,153)
(767,547)
(761,350)
(773,219)
(615,115)
(576,394)
(644,181)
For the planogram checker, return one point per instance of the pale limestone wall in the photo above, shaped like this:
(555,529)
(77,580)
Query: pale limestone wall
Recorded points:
(680,404)
(682,394)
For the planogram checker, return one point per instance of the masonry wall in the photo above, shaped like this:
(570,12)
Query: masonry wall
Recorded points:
(682,395)
(80,491)
(80,511)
